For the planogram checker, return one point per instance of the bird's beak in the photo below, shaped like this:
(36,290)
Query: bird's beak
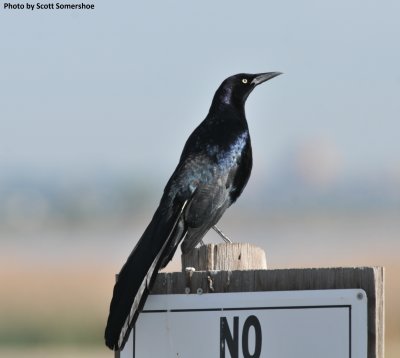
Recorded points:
(262,77)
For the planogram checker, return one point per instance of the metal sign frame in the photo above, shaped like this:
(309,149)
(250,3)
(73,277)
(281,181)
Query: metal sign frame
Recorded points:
(351,304)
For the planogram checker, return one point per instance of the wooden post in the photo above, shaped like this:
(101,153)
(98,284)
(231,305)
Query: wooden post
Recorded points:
(246,274)
(225,257)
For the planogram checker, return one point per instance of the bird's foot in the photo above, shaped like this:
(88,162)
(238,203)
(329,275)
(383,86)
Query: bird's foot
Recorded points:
(223,236)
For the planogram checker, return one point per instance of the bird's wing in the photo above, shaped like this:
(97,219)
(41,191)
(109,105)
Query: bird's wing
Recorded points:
(208,204)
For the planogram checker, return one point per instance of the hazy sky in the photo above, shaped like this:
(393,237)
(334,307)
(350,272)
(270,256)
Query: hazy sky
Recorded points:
(118,89)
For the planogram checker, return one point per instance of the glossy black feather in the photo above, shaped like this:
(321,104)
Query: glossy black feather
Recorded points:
(212,172)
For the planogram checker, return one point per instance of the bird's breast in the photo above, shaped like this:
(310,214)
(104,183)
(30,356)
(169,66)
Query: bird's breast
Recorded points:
(216,165)
(228,156)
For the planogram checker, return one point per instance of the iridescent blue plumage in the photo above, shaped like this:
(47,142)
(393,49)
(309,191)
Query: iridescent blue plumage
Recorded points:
(212,172)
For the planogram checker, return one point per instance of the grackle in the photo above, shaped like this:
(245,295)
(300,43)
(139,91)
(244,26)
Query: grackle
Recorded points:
(212,172)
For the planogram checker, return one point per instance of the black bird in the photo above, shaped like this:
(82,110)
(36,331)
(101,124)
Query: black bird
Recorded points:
(212,172)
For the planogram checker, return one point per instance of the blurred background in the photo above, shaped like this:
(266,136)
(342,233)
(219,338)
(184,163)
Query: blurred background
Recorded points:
(95,107)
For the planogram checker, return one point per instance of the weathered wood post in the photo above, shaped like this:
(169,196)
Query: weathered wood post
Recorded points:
(242,268)
(225,257)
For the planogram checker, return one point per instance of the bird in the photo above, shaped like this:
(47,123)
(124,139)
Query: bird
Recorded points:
(213,169)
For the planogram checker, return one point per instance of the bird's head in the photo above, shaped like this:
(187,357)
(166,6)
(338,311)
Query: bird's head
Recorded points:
(235,89)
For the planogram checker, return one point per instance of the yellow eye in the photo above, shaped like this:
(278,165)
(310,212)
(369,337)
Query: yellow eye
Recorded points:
(244,80)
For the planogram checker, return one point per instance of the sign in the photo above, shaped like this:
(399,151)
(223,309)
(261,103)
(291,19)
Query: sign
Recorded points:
(280,324)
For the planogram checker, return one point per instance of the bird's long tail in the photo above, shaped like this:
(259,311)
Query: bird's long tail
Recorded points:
(139,272)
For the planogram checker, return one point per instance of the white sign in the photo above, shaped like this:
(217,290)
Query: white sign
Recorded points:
(284,324)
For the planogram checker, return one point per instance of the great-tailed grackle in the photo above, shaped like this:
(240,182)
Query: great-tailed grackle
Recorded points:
(212,172)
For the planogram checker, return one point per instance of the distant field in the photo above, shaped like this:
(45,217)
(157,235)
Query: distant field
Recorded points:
(44,306)
(59,352)
(55,292)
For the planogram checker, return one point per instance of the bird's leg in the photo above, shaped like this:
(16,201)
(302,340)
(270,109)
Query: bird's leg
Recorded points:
(223,236)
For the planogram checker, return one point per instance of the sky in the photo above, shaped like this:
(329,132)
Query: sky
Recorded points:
(118,89)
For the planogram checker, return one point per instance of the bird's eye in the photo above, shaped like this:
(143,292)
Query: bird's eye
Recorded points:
(244,80)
